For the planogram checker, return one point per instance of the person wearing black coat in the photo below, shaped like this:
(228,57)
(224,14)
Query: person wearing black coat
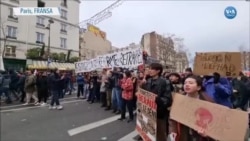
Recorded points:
(55,81)
(13,83)
(20,85)
(241,87)
(42,88)
(109,86)
(159,86)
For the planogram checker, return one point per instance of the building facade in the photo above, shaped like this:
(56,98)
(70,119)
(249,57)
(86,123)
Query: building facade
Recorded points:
(181,62)
(130,46)
(93,42)
(21,33)
(160,48)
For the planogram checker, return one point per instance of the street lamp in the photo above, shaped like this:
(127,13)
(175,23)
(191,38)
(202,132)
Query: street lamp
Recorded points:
(51,21)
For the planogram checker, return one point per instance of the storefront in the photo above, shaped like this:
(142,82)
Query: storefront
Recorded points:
(14,64)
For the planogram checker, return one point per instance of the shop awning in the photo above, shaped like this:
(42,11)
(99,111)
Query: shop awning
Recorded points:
(52,65)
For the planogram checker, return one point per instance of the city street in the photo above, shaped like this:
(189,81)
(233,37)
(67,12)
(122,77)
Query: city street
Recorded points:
(78,121)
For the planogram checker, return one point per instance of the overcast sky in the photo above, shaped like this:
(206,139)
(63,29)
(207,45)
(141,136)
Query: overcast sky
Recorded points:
(202,24)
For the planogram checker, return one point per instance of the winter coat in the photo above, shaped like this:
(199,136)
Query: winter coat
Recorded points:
(220,92)
(30,84)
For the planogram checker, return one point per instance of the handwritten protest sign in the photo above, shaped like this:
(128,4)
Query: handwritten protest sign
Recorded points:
(127,58)
(146,115)
(219,122)
(225,63)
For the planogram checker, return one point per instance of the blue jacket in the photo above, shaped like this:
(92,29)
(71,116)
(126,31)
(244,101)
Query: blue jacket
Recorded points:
(80,80)
(220,93)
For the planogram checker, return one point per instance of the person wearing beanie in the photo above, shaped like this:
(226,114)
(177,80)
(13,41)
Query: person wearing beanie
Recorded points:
(175,79)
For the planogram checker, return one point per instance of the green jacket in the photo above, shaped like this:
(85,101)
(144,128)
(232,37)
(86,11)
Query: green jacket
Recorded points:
(30,84)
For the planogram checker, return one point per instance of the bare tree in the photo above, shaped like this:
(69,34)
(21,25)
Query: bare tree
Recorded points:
(245,56)
(166,51)
(183,51)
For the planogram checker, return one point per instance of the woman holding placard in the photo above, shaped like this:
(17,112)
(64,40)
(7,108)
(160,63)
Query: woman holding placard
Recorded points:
(179,132)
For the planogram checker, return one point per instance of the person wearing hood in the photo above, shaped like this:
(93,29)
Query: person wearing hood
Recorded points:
(219,89)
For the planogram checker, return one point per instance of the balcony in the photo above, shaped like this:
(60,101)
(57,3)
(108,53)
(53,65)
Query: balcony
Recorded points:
(40,25)
(12,18)
(39,42)
(11,37)
(63,31)
(8,54)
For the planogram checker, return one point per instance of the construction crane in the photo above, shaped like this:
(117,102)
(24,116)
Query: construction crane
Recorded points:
(100,16)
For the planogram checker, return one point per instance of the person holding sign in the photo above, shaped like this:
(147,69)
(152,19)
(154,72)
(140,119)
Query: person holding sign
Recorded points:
(219,89)
(179,132)
(158,85)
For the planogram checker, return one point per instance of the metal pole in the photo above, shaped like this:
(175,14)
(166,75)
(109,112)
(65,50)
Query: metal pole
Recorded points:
(27,38)
(48,51)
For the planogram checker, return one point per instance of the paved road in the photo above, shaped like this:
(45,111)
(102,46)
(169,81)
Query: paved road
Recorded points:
(78,121)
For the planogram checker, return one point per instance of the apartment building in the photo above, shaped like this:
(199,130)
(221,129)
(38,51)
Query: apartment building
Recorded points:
(21,33)
(160,48)
(130,46)
(93,42)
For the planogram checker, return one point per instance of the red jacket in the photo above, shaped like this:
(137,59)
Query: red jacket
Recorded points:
(127,86)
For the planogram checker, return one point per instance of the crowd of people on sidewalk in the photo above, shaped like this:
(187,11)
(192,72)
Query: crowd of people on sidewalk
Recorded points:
(116,90)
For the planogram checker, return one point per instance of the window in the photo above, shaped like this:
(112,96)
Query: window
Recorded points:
(40,21)
(10,51)
(63,42)
(11,32)
(63,28)
(11,14)
(63,14)
(39,37)
(40,3)
(64,3)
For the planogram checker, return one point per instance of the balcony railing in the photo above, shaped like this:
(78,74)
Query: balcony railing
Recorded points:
(7,54)
(12,18)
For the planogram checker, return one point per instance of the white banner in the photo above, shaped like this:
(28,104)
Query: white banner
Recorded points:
(124,59)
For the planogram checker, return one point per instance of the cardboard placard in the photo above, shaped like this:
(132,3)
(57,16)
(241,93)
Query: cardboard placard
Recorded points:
(225,63)
(219,122)
(146,123)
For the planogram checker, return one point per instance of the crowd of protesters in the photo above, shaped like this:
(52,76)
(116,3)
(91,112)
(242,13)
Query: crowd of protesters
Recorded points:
(36,87)
(116,90)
